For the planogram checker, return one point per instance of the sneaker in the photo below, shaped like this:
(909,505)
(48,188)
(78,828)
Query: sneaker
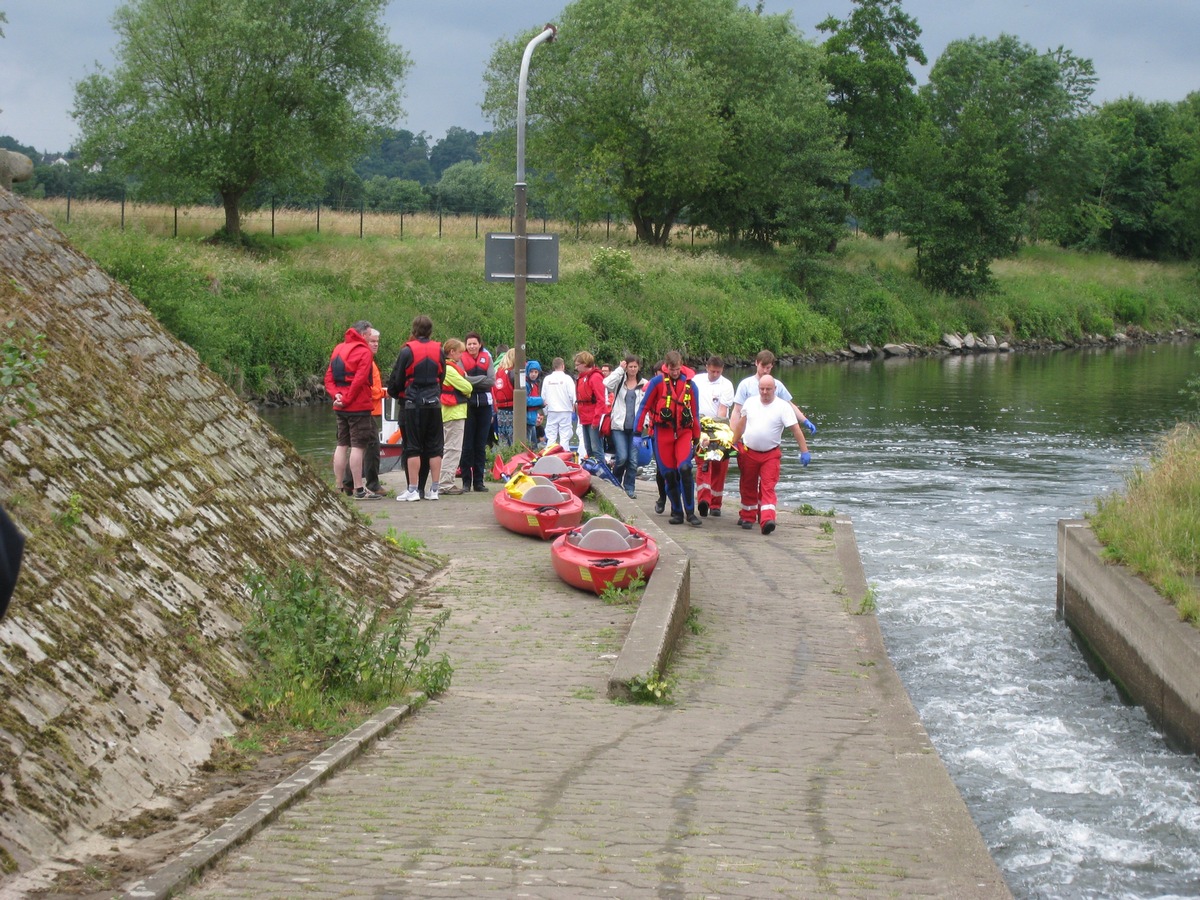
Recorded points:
(659,505)
(453,489)
(768,527)
(381,491)
(466,487)
(364,494)
(432,493)
(715,513)
(676,519)
(631,494)
(409,496)
(702,508)
(694,520)
(742,523)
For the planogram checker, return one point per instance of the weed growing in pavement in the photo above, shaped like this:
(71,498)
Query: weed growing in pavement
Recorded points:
(72,515)
(322,651)
(629,595)
(402,540)
(868,604)
(693,623)
(651,688)
(21,358)
(807,509)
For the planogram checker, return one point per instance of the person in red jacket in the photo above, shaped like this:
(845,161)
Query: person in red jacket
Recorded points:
(348,383)
(670,408)
(590,402)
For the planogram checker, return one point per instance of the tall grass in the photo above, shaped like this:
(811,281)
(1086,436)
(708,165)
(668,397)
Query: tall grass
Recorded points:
(1154,525)
(265,319)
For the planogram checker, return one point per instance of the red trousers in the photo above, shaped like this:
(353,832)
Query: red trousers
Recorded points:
(710,481)
(759,475)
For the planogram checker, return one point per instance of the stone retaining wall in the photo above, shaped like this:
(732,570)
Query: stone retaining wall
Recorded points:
(1136,634)
(146,489)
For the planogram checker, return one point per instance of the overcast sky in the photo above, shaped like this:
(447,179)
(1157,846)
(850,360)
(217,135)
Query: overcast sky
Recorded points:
(1147,48)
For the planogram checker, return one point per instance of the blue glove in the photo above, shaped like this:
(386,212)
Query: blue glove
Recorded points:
(805,457)
(808,423)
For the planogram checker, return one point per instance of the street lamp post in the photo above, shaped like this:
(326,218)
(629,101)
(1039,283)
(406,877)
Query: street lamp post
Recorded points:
(520,244)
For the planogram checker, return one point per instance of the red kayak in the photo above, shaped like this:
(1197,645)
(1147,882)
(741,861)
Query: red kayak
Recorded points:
(601,552)
(501,470)
(542,509)
(563,472)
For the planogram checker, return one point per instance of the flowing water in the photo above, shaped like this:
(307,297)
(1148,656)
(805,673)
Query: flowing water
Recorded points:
(955,472)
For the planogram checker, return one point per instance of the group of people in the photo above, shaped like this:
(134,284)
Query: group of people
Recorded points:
(455,399)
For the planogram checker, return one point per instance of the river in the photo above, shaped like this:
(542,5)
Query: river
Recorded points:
(955,471)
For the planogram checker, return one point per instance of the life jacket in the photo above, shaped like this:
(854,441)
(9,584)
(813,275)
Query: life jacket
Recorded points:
(452,396)
(426,366)
(675,406)
(477,365)
(502,391)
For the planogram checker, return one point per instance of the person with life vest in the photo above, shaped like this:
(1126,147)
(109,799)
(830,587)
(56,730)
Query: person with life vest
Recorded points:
(456,390)
(371,451)
(348,383)
(502,395)
(760,429)
(714,396)
(477,363)
(590,403)
(416,378)
(669,407)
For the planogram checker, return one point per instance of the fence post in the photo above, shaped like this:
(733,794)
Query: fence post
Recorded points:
(476,224)
(272,217)
(545,222)
(318,217)
(362,212)
(402,223)
(122,209)
(68,207)
(176,234)
(439,223)
(607,225)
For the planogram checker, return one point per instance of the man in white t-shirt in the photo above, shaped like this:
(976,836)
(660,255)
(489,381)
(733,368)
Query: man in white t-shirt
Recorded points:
(748,387)
(760,428)
(714,395)
(558,392)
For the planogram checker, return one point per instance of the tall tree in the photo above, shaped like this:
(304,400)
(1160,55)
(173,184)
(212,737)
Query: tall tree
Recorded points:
(459,145)
(645,101)
(866,64)
(219,97)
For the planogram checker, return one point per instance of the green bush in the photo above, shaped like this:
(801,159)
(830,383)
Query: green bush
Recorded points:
(321,650)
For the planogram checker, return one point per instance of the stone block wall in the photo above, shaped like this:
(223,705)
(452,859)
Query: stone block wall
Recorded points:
(146,489)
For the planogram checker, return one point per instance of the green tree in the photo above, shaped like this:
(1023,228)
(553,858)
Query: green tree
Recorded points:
(647,102)
(475,188)
(866,64)
(457,146)
(399,154)
(393,194)
(220,97)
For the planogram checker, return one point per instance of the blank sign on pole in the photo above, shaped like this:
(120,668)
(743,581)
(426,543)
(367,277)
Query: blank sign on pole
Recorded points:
(499,257)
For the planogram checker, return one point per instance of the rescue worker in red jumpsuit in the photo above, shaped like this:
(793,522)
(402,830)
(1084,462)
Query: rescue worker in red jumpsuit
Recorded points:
(671,410)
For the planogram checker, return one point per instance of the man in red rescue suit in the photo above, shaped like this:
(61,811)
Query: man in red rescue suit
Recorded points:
(348,383)
(417,379)
(670,407)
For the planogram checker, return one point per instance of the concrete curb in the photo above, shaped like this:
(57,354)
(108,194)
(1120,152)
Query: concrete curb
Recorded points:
(664,607)
(1152,655)
(194,862)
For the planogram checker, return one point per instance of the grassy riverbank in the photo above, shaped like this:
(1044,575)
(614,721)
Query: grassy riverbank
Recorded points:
(1153,527)
(265,320)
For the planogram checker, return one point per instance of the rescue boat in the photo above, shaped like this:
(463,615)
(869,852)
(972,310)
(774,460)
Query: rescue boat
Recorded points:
(562,471)
(541,510)
(501,469)
(603,551)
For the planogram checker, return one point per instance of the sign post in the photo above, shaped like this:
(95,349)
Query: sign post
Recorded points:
(520,246)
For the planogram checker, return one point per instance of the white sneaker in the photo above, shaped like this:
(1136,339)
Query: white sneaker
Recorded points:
(432,493)
(409,496)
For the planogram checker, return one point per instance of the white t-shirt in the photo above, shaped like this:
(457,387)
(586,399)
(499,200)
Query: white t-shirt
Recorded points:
(765,424)
(710,394)
(748,387)
(558,390)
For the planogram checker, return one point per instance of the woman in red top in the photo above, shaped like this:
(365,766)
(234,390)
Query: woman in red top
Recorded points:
(502,396)
(590,403)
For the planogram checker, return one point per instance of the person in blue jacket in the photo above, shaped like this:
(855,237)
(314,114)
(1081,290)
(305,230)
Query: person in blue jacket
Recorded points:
(533,400)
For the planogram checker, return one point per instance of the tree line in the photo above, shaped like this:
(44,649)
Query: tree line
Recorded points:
(704,113)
